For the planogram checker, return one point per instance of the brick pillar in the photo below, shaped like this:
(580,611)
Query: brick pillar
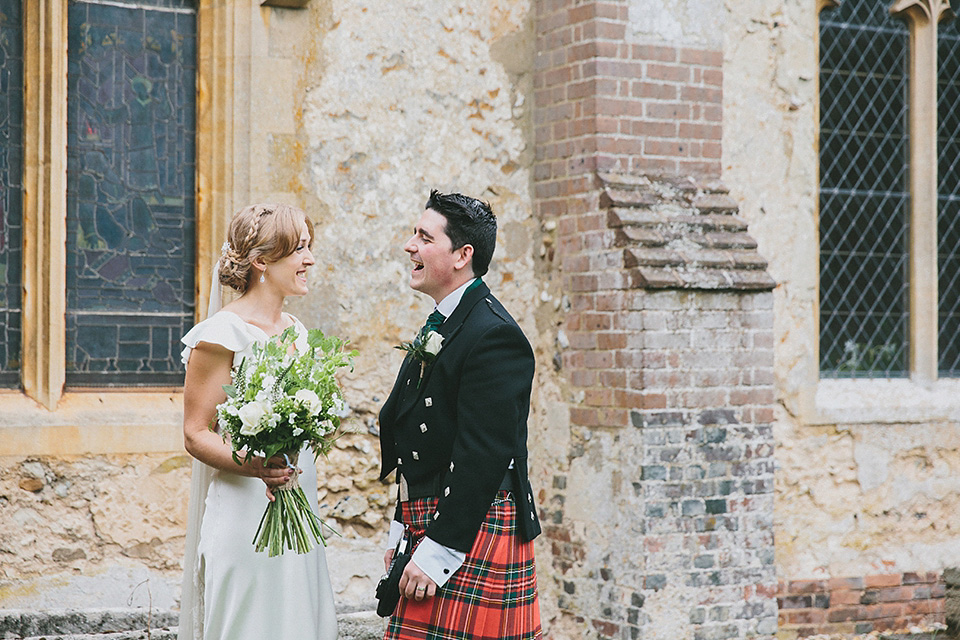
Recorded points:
(660,518)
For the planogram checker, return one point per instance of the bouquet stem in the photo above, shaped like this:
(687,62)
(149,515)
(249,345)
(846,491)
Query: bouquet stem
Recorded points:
(288,523)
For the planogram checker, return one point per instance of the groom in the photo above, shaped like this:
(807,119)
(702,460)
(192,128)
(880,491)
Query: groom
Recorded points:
(455,429)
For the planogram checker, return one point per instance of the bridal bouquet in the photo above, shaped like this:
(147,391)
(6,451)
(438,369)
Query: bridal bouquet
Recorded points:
(280,400)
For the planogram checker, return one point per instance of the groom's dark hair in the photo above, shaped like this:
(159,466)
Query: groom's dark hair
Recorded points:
(469,221)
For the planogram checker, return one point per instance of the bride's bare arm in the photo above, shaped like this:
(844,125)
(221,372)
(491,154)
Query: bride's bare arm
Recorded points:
(207,371)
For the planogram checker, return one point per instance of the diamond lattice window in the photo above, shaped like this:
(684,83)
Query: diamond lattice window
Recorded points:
(11,188)
(948,200)
(863,192)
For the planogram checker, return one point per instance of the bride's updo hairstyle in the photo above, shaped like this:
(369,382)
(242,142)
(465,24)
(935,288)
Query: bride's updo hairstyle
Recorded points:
(268,231)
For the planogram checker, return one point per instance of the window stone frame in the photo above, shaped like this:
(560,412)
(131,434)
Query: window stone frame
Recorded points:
(42,419)
(923,397)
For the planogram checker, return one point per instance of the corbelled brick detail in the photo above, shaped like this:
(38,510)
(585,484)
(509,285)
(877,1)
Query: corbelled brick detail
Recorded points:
(861,605)
(682,235)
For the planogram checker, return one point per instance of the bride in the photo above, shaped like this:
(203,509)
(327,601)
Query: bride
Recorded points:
(231,592)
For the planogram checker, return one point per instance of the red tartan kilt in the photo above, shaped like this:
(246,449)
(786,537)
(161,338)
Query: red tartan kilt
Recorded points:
(493,596)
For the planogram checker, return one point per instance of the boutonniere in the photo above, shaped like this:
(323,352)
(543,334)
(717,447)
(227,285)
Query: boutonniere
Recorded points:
(424,349)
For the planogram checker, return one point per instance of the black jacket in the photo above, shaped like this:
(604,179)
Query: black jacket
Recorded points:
(466,420)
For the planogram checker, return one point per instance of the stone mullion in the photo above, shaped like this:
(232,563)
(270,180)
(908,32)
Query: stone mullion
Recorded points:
(45,200)
(922,17)
(222,187)
(813,375)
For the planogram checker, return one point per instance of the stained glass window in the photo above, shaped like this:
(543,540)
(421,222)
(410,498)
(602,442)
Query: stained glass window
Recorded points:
(863,191)
(130,190)
(11,188)
(948,201)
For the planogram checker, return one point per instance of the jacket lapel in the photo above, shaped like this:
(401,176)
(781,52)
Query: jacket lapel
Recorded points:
(449,330)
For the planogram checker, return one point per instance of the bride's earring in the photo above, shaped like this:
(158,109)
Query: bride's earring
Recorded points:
(262,279)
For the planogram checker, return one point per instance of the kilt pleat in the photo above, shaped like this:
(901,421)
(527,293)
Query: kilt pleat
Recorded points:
(493,596)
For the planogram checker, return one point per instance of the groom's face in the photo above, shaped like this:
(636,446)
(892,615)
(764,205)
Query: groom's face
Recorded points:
(435,263)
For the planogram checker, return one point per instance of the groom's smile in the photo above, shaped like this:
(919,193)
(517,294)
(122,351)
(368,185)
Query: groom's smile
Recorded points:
(438,269)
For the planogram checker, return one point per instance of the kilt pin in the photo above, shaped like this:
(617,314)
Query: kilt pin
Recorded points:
(460,425)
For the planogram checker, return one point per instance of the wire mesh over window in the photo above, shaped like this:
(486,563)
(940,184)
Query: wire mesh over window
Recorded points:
(130,190)
(863,192)
(948,201)
(11,189)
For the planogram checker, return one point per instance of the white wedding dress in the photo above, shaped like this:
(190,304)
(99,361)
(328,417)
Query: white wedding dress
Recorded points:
(231,592)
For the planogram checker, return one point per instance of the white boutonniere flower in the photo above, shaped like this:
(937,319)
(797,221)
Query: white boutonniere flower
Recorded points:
(424,348)
(433,343)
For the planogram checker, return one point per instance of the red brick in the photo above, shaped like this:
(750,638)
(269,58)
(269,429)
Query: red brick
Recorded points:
(845,597)
(844,614)
(611,30)
(668,72)
(806,616)
(584,377)
(598,397)
(616,378)
(652,52)
(923,607)
(666,148)
(886,580)
(614,417)
(705,57)
(667,111)
(629,399)
(611,340)
(584,417)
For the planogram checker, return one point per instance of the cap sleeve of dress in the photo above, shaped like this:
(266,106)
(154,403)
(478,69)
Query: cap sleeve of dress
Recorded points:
(224,329)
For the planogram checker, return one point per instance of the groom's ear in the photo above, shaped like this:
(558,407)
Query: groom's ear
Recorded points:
(465,257)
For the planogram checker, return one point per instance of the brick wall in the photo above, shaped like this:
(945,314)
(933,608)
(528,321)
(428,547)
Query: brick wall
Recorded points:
(604,103)
(860,605)
(659,519)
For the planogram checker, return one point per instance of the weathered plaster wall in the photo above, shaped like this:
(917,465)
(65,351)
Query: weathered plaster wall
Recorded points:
(852,499)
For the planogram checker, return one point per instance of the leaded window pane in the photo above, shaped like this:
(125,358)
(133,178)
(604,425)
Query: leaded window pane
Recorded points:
(11,189)
(130,190)
(863,192)
(948,201)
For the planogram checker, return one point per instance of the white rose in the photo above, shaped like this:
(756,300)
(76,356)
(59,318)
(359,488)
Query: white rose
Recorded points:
(309,399)
(251,415)
(434,342)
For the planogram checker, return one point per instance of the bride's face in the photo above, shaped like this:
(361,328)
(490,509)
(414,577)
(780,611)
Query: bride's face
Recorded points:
(289,274)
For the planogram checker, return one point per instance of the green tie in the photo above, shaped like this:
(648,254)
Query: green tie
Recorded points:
(434,320)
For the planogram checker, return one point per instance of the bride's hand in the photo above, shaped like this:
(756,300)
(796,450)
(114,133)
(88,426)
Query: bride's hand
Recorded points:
(274,473)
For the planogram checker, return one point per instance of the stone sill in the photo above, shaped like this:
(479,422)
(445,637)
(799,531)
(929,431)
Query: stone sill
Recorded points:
(95,422)
(866,401)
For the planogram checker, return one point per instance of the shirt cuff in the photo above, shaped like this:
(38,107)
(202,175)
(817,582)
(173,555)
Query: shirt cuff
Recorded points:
(437,561)
(396,532)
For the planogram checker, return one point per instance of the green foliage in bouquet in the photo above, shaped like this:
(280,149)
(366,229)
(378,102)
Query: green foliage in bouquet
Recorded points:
(280,400)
